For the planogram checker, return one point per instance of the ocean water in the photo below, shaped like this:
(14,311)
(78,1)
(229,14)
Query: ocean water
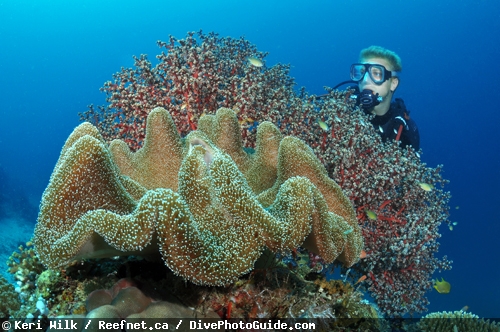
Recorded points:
(55,55)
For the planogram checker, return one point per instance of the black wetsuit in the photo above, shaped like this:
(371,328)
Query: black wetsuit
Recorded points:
(397,118)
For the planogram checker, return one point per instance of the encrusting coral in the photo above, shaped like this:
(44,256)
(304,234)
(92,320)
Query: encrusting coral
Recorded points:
(455,321)
(194,199)
(9,299)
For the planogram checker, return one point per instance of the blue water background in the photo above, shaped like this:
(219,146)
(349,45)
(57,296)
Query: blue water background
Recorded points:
(55,55)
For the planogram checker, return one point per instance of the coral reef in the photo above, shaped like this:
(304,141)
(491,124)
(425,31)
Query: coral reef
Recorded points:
(192,79)
(455,321)
(38,289)
(201,73)
(279,292)
(125,300)
(133,287)
(401,237)
(214,227)
(9,299)
(25,266)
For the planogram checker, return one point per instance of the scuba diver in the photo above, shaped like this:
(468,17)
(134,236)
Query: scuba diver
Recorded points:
(377,77)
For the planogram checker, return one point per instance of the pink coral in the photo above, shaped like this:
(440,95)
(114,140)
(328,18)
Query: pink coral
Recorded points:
(401,241)
(194,77)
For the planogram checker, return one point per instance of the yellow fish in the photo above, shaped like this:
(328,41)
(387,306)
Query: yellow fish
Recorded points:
(371,215)
(426,186)
(443,287)
(246,121)
(323,125)
(255,62)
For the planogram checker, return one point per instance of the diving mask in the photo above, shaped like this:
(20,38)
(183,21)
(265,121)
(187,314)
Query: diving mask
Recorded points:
(378,73)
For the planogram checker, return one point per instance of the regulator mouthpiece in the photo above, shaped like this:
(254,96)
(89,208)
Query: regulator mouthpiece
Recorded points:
(366,99)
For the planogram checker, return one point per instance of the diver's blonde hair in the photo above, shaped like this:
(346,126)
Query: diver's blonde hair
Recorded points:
(383,53)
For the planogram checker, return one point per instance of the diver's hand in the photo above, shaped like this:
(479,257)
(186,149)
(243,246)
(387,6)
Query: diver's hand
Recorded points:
(394,126)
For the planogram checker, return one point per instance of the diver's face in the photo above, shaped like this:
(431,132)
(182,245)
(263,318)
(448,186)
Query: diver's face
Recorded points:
(385,90)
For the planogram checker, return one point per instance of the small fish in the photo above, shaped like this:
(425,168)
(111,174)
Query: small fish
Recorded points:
(465,308)
(362,122)
(457,207)
(362,254)
(361,279)
(395,131)
(323,125)
(255,62)
(455,223)
(418,154)
(337,119)
(450,227)
(443,287)
(381,130)
(348,231)
(426,186)
(371,215)
(246,121)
